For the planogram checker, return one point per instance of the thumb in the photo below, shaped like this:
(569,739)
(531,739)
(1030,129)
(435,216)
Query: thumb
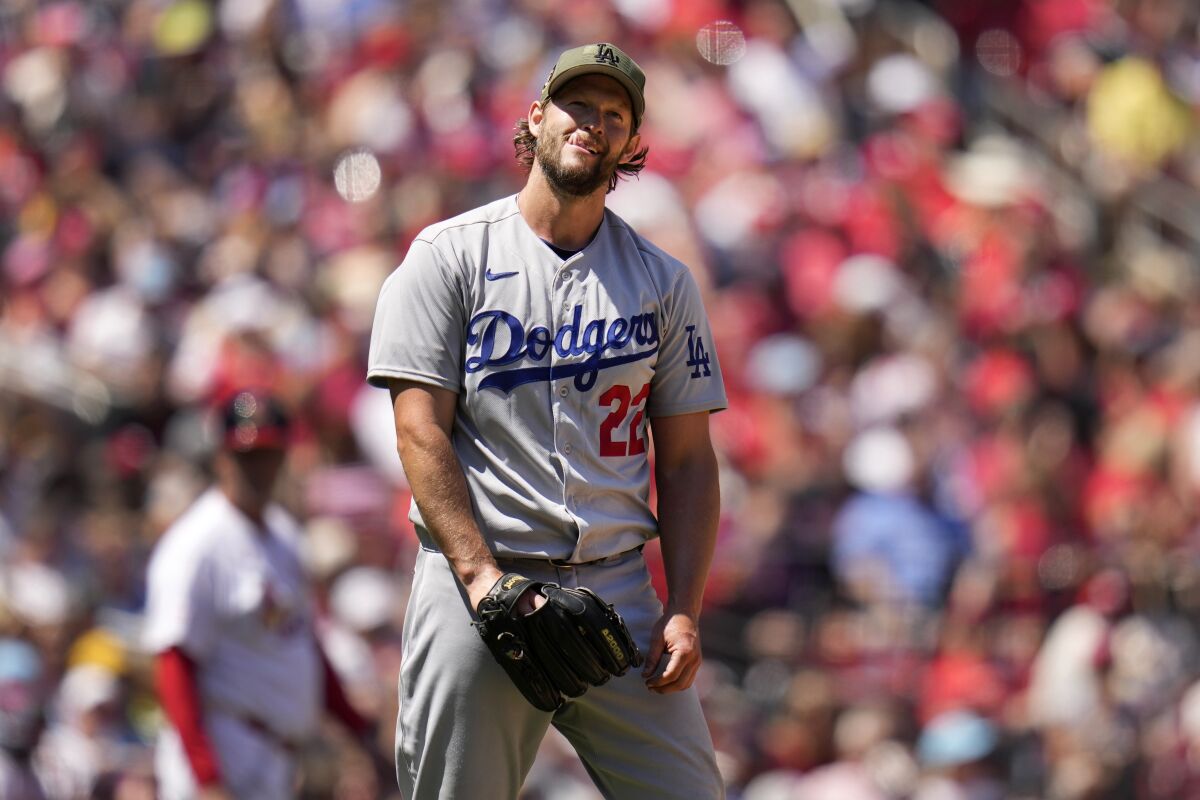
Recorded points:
(655,655)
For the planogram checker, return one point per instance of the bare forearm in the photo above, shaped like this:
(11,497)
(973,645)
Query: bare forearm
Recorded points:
(688,509)
(440,490)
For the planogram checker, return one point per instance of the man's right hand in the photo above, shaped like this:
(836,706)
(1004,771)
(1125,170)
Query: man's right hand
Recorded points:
(480,584)
(486,579)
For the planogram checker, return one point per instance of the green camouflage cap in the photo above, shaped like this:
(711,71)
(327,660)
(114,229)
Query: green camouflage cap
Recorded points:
(605,59)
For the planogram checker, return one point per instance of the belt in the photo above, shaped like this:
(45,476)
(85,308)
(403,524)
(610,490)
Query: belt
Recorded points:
(564,564)
(262,729)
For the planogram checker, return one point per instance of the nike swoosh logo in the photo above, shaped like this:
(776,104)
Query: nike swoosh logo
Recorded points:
(495,276)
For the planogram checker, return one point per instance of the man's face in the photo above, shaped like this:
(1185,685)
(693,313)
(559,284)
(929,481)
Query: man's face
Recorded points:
(584,133)
(251,475)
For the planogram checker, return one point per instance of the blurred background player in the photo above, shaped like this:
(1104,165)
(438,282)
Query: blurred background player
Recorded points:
(970,227)
(240,673)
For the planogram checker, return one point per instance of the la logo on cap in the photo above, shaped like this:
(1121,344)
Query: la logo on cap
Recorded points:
(606,54)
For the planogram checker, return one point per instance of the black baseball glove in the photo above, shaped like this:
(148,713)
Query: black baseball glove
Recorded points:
(573,641)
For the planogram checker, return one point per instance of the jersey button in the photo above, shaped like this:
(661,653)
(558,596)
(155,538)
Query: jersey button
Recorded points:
(566,449)
(562,391)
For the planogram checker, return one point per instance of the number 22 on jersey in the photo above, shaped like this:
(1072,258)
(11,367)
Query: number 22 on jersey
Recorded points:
(621,399)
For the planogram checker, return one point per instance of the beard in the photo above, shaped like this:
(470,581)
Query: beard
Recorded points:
(576,181)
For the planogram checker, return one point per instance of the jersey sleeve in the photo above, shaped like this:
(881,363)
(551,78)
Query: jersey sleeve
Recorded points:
(419,321)
(687,376)
(180,609)
(179,693)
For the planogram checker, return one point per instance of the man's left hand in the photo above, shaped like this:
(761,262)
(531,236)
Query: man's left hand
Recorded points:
(675,641)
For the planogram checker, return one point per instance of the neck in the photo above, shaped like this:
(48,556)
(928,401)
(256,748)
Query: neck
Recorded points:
(563,220)
(251,508)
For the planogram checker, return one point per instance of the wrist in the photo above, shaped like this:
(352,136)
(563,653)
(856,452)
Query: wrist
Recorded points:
(475,569)
(479,581)
(690,609)
(484,577)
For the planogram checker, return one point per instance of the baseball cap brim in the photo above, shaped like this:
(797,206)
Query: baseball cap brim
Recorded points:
(635,94)
(249,436)
(253,420)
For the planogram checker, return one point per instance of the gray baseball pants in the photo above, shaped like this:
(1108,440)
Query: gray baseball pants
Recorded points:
(465,731)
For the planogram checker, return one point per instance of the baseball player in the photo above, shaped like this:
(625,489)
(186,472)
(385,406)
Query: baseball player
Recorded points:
(230,618)
(533,348)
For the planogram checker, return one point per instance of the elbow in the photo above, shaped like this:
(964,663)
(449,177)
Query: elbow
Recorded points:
(416,438)
(699,468)
(412,438)
(423,418)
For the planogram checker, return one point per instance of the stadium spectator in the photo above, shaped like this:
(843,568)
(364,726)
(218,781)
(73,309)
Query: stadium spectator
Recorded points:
(971,224)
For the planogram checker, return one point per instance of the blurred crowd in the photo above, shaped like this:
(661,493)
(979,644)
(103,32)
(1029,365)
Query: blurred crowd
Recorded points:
(958,556)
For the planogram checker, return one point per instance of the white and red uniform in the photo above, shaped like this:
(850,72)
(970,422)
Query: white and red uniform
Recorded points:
(230,615)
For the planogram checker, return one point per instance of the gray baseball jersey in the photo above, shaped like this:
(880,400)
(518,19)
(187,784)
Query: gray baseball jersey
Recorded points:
(557,365)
